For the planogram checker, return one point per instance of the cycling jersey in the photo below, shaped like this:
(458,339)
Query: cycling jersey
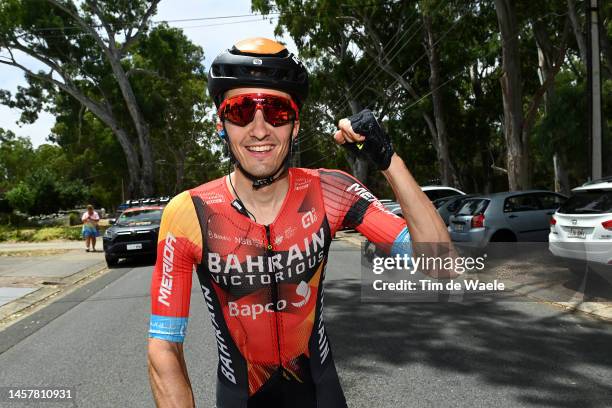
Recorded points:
(262,284)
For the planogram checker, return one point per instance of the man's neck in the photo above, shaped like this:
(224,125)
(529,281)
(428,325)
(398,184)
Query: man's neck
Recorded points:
(264,202)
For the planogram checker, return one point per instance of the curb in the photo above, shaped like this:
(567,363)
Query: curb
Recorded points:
(598,310)
(20,308)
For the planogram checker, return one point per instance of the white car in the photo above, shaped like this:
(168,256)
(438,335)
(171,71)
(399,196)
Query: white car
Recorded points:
(436,192)
(581,229)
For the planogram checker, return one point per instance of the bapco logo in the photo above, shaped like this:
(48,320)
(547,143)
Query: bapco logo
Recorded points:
(253,310)
(304,291)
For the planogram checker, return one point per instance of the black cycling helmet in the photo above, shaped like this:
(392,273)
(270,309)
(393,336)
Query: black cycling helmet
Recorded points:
(258,62)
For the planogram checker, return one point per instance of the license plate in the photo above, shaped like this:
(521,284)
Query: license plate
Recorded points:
(131,247)
(458,227)
(576,233)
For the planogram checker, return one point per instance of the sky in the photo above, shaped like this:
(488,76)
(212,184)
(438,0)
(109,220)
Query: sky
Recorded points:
(213,36)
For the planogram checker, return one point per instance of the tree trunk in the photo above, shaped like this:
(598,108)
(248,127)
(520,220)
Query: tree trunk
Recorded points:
(140,125)
(131,158)
(604,44)
(448,173)
(113,56)
(378,53)
(484,138)
(180,156)
(511,85)
(577,28)
(546,62)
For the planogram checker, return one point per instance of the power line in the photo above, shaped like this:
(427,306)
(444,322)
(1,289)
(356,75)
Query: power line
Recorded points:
(79,28)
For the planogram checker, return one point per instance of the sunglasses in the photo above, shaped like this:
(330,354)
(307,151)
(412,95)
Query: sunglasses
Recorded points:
(241,109)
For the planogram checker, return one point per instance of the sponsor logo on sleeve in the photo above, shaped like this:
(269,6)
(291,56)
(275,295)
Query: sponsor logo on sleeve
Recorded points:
(361,191)
(165,289)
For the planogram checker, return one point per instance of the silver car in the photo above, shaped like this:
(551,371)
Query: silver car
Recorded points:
(504,217)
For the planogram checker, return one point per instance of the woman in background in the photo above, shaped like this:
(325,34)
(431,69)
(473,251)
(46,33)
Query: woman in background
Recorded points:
(90,227)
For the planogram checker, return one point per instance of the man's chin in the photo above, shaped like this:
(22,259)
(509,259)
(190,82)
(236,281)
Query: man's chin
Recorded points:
(261,171)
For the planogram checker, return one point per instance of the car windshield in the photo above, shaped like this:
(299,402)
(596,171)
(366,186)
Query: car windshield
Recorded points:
(140,217)
(588,202)
(440,202)
(473,206)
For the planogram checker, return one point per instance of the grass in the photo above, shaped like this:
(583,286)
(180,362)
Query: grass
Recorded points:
(41,234)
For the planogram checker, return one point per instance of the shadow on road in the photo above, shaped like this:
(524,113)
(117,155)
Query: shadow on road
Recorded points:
(550,361)
(135,262)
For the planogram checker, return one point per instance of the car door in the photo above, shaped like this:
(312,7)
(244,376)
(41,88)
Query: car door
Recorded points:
(523,214)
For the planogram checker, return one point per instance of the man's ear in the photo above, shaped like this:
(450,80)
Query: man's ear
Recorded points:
(296,129)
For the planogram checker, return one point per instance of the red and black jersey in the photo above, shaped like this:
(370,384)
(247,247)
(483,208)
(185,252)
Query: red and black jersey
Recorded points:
(263,284)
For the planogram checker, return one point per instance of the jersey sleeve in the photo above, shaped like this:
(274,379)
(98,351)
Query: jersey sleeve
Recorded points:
(179,248)
(349,204)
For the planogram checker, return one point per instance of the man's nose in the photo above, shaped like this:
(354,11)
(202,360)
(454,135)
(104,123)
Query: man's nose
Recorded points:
(259,128)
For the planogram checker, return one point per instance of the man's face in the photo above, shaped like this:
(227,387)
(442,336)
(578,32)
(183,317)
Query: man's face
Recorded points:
(259,147)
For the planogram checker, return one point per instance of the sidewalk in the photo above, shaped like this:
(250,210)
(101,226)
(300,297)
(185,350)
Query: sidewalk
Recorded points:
(31,273)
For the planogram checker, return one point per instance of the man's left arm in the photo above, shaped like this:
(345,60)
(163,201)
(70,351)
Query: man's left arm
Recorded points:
(428,233)
(422,218)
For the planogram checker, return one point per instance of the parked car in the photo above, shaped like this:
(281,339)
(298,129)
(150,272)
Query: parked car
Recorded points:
(133,234)
(368,250)
(504,217)
(434,193)
(437,192)
(581,229)
(448,206)
(140,202)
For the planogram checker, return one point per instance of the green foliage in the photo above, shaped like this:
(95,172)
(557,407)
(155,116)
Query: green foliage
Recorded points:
(342,43)
(21,197)
(40,234)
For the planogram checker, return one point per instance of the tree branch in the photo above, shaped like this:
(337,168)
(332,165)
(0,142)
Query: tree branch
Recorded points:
(539,95)
(82,23)
(92,105)
(131,39)
(94,7)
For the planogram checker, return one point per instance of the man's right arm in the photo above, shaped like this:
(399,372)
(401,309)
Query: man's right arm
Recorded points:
(179,248)
(168,374)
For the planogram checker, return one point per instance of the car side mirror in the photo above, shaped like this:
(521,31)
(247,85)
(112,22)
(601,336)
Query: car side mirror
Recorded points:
(112,221)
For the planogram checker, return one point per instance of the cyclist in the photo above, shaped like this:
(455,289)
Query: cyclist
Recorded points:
(259,238)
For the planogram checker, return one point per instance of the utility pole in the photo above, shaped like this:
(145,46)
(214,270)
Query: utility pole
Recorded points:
(594,88)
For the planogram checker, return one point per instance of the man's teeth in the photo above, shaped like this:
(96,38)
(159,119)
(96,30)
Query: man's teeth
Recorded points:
(260,148)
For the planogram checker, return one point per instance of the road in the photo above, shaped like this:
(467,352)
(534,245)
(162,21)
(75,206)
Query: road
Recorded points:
(502,354)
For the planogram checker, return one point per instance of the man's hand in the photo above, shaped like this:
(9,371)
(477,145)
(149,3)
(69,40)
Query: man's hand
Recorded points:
(168,374)
(362,134)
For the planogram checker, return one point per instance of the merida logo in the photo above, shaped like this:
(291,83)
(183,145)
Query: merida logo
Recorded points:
(165,290)
(361,192)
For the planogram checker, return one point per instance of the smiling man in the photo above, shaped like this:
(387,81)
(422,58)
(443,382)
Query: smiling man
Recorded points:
(259,240)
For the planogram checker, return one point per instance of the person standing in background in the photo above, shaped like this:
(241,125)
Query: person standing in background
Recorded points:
(90,220)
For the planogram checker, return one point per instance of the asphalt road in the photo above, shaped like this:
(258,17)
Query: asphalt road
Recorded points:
(491,354)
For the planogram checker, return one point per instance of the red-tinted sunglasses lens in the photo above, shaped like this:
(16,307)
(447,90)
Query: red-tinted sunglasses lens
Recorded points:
(241,109)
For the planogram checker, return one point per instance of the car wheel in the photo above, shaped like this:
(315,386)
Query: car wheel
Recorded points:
(111,261)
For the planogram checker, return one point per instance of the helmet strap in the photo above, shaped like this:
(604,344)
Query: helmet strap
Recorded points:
(258,181)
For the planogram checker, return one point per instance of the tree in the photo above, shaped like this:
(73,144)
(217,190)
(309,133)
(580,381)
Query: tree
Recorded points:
(518,123)
(85,49)
(16,159)
(21,197)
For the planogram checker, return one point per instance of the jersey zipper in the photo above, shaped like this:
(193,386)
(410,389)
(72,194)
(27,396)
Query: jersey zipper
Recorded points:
(269,253)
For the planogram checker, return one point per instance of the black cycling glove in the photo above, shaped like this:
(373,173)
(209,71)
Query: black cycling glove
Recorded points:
(377,144)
